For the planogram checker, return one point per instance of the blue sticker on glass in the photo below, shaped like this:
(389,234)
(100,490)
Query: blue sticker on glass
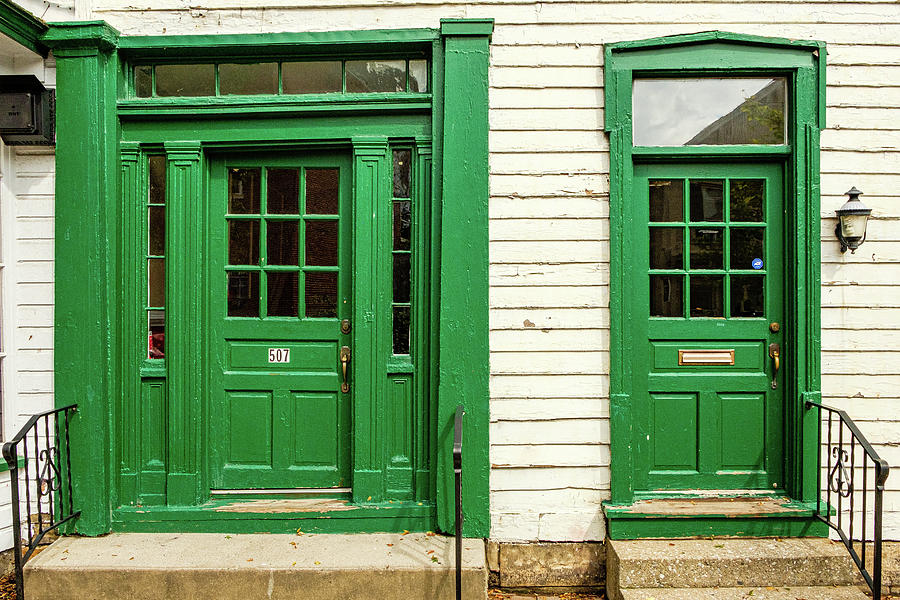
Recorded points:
(757,263)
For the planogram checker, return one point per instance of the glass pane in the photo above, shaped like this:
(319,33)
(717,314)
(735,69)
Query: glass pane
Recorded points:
(322,191)
(157,230)
(418,75)
(401,173)
(707,296)
(666,200)
(156,282)
(321,294)
(243,293)
(322,243)
(283,192)
(282,243)
(746,199)
(402,225)
(666,296)
(157,166)
(311,77)
(706,248)
(706,199)
(282,294)
(376,75)
(401,330)
(243,242)
(156,334)
(251,78)
(243,191)
(709,111)
(747,248)
(186,80)
(747,296)
(143,81)
(401,277)
(666,248)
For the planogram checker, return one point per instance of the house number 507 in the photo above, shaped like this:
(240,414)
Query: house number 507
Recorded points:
(279,355)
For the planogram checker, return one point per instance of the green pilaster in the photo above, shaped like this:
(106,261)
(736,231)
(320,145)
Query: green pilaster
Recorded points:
(86,267)
(184,319)
(464,359)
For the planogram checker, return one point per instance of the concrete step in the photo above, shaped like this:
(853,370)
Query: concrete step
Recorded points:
(746,593)
(205,566)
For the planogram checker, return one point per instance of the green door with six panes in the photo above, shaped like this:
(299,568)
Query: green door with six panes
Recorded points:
(709,412)
(280,304)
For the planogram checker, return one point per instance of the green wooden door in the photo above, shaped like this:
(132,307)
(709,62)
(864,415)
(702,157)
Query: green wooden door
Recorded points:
(281,279)
(709,299)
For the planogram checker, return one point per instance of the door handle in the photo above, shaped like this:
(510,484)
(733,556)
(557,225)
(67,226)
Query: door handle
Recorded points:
(345,362)
(775,353)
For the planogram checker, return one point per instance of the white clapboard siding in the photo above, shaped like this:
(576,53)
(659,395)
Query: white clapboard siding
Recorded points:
(549,234)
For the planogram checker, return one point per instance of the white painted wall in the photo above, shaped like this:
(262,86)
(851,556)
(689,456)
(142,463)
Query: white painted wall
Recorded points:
(549,230)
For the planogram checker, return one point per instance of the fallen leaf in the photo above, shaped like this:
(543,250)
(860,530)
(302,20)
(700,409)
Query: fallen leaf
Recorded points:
(430,552)
(318,563)
(369,499)
(390,544)
(434,559)
(294,564)
(249,560)
(429,533)
(405,531)
(227,537)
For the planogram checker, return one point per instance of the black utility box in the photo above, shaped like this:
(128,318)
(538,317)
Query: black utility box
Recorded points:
(27,111)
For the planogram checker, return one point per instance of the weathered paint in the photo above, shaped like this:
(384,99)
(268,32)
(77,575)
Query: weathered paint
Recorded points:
(22,26)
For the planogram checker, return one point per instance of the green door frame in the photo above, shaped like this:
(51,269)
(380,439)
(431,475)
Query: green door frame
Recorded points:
(722,54)
(96,174)
(22,26)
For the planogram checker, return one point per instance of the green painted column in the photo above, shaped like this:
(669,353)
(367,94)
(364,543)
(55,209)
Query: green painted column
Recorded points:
(185,295)
(463,362)
(86,266)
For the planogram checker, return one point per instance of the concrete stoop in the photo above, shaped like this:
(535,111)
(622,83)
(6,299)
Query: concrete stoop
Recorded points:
(201,566)
(731,569)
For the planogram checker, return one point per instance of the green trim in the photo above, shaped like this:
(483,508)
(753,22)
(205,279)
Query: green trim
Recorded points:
(22,26)
(79,35)
(629,528)
(19,464)
(721,53)
(475,27)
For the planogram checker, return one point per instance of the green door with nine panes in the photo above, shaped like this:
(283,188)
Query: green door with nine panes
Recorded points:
(280,308)
(708,402)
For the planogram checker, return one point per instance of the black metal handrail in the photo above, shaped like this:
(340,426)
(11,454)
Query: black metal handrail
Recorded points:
(52,481)
(843,482)
(457,474)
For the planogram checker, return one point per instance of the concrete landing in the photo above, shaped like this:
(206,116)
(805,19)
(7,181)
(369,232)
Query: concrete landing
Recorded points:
(205,566)
(755,593)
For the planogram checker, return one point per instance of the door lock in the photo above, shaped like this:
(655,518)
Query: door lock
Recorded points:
(345,326)
(345,362)
(775,354)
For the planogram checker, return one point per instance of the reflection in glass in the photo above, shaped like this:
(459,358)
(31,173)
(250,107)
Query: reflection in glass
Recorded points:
(401,330)
(401,277)
(666,248)
(376,75)
(157,166)
(707,296)
(666,200)
(243,191)
(746,244)
(322,191)
(707,196)
(402,225)
(243,293)
(156,282)
(746,199)
(322,243)
(243,242)
(321,294)
(143,81)
(282,244)
(747,296)
(401,173)
(156,334)
(283,191)
(666,296)
(282,294)
(418,76)
(314,77)
(186,80)
(157,230)
(706,248)
(709,111)
(248,78)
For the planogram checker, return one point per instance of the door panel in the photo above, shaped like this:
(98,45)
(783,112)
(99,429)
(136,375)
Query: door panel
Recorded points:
(281,271)
(709,282)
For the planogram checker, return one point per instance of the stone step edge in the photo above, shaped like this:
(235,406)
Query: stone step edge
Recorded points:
(745,593)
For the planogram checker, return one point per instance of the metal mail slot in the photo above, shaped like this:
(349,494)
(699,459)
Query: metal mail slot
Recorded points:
(714,356)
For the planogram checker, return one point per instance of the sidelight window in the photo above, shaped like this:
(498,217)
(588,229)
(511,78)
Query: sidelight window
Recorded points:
(156,258)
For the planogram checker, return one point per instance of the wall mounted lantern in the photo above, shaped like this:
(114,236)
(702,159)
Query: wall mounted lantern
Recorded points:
(853,217)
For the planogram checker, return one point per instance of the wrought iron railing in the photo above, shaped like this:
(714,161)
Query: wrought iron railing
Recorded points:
(457,474)
(41,450)
(845,507)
